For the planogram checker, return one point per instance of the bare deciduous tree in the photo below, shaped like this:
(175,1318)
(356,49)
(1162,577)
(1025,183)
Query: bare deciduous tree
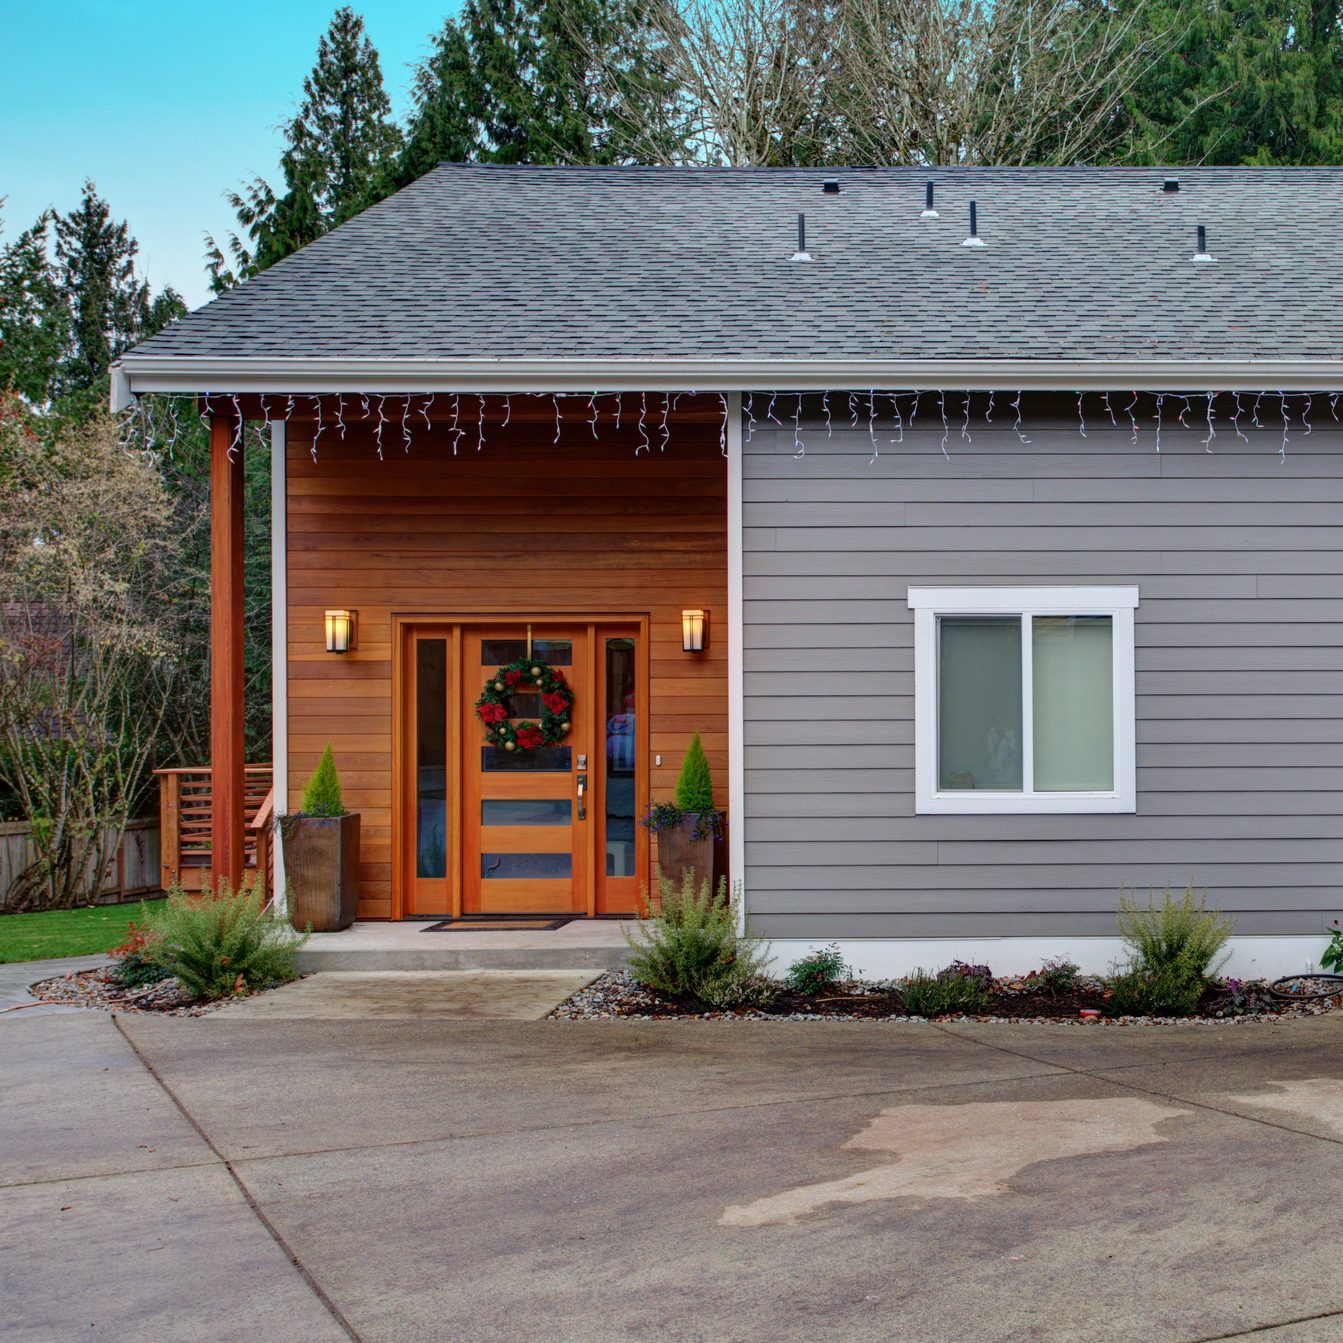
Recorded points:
(87,579)
(786,82)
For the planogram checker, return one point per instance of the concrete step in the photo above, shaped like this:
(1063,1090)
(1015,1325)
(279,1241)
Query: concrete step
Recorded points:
(580,945)
(459,957)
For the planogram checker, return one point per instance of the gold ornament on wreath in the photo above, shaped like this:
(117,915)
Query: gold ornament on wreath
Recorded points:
(530,675)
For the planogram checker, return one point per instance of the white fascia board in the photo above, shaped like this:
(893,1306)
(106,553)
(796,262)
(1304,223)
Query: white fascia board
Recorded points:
(193,374)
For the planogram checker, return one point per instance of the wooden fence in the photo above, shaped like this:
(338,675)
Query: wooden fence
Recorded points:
(132,872)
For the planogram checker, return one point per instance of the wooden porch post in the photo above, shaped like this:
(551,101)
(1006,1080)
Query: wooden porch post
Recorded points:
(228,817)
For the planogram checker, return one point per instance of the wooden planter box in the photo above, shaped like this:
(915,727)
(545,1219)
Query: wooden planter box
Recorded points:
(678,849)
(321,865)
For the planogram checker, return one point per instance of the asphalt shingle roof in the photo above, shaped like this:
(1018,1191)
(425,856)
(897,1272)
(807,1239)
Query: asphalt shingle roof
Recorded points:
(1080,263)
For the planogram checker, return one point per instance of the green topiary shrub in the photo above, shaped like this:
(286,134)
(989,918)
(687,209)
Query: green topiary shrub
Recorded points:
(321,795)
(227,944)
(690,950)
(936,995)
(694,784)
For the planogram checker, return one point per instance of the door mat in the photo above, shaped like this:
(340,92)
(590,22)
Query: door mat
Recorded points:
(491,924)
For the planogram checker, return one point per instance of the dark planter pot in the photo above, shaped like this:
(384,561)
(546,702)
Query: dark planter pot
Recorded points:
(678,849)
(321,867)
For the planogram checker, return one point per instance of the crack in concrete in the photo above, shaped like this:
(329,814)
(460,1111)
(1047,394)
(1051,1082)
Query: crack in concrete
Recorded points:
(1265,1328)
(285,1248)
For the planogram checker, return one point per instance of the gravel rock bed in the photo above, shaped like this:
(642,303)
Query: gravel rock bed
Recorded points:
(616,995)
(100,988)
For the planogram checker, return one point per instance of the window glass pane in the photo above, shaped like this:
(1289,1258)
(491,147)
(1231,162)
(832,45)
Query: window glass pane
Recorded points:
(526,811)
(979,703)
(501,866)
(543,760)
(431,758)
(499,652)
(620,740)
(1073,659)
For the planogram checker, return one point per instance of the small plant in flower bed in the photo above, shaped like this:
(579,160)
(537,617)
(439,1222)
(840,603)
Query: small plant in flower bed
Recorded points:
(135,961)
(690,950)
(958,988)
(1059,976)
(819,970)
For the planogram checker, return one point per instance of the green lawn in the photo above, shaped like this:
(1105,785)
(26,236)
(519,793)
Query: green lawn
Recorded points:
(67,932)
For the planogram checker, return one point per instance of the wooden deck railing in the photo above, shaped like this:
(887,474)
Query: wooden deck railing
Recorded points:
(184,812)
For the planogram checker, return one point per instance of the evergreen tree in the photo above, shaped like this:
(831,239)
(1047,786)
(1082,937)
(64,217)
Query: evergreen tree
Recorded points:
(109,307)
(514,81)
(34,322)
(337,146)
(1242,82)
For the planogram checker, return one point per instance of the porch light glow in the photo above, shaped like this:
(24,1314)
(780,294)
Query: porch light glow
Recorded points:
(340,631)
(694,626)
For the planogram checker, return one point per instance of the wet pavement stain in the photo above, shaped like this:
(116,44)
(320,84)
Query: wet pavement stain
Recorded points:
(965,1151)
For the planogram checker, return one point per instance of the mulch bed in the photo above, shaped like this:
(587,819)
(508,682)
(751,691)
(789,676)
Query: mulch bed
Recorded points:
(617,995)
(101,988)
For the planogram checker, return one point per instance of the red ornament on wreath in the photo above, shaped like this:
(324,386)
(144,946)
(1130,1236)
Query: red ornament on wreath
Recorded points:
(523,735)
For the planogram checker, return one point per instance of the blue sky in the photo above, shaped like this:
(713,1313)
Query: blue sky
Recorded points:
(165,104)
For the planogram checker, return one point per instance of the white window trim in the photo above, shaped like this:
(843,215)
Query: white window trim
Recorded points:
(927,604)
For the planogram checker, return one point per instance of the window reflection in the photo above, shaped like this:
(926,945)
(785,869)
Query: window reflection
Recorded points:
(621,736)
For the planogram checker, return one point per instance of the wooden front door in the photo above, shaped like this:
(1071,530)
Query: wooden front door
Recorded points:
(549,831)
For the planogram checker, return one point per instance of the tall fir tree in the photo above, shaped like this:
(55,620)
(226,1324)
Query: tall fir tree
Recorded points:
(1242,82)
(109,307)
(513,81)
(34,321)
(338,146)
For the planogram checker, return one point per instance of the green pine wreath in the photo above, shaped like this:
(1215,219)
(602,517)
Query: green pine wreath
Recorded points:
(557,702)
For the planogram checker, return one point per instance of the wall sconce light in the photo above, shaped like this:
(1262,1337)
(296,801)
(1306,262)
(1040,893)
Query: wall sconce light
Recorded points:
(340,631)
(694,630)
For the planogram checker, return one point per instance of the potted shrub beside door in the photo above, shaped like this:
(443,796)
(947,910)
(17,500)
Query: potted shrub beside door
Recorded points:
(687,828)
(321,854)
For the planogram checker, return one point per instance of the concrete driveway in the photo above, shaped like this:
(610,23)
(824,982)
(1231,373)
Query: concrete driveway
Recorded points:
(556,1182)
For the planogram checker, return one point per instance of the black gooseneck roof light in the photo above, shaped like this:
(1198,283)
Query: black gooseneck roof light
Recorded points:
(801,254)
(974,240)
(929,210)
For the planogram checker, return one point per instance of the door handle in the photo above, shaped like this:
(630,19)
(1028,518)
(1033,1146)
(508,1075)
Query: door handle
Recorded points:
(582,797)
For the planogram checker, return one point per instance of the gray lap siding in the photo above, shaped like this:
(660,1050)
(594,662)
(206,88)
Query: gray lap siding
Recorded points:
(1238,559)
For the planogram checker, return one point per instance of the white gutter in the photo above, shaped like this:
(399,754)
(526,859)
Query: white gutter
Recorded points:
(191,375)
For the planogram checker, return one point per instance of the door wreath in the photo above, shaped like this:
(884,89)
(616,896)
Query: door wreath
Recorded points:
(557,702)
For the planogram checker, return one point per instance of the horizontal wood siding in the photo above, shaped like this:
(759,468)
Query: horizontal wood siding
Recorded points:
(1238,558)
(524,525)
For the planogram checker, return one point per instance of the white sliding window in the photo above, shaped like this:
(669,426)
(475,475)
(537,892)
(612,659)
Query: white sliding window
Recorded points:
(1024,699)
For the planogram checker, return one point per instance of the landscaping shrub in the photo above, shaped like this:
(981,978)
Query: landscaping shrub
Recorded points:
(691,950)
(935,995)
(321,794)
(1173,953)
(229,943)
(694,784)
(1166,991)
(1183,932)
(819,970)
(137,958)
(1059,976)
(981,973)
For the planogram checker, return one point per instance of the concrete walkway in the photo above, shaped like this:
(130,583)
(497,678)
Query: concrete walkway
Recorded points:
(595,1182)
(16,976)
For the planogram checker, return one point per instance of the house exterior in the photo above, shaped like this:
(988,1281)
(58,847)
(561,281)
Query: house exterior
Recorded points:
(1016,543)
